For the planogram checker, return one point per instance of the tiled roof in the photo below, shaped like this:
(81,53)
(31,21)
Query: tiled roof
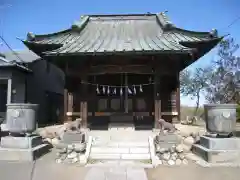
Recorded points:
(26,56)
(5,63)
(120,33)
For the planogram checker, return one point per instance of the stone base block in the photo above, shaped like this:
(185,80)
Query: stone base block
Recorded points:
(220,143)
(166,145)
(31,154)
(216,156)
(20,142)
(170,138)
(167,140)
(73,137)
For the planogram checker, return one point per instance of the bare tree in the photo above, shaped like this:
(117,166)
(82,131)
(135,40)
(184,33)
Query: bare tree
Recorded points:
(224,84)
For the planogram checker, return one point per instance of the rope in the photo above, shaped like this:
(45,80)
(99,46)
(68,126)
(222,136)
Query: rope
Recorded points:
(107,85)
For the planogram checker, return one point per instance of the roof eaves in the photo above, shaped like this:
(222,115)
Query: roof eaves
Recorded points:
(192,32)
(217,40)
(14,64)
(183,51)
(32,37)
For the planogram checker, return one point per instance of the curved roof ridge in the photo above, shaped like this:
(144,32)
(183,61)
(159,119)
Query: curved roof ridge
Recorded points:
(50,34)
(77,24)
(192,31)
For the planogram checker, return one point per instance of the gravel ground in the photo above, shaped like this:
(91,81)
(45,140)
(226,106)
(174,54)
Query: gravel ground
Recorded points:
(44,168)
(193,172)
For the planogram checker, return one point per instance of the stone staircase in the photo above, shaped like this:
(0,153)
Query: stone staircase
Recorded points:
(121,151)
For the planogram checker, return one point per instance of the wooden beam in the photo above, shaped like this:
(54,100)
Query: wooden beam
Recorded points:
(117,69)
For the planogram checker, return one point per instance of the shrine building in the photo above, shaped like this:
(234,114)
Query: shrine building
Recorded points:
(122,69)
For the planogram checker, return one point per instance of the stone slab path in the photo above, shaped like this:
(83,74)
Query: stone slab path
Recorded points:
(116,173)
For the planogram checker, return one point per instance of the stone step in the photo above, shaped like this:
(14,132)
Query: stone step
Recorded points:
(121,163)
(118,156)
(216,156)
(122,144)
(121,150)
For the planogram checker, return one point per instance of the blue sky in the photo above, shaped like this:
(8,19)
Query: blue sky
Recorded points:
(45,16)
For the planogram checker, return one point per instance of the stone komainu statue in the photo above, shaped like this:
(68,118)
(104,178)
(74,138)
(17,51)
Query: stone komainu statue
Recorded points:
(166,126)
(74,125)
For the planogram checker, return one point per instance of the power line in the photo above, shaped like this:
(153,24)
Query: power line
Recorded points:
(231,24)
(9,47)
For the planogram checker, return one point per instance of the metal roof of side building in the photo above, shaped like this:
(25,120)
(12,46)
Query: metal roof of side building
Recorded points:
(102,34)
(4,63)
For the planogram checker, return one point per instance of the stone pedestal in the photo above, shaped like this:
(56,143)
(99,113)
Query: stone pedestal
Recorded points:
(73,137)
(22,148)
(166,140)
(218,150)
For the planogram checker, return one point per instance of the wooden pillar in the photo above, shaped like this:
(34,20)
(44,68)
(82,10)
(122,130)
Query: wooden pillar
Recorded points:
(83,102)
(9,91)
(126,93)
(157,101)
(65,104)
(70,107)
(178,103)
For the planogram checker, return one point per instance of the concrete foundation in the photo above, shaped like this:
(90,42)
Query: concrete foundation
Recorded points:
(220,143)
(218,150)
(20,142)
(30,154)
(22,148)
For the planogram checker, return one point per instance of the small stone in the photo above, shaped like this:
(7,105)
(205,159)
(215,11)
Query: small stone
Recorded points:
(186,148)
(63,157)
(173,149)
(55,141)
(49,140)
(157,148)
(63,150)
(80,147)
(165,131)
(58,154)
(189,141)
(82,158)
(166,156)
(181,156)
(58,161)
(179,148)
(72,155)
(175,154)
(193,134)
(171,162)
(74,160)
(162,150)
(165,162)
(197,139)
(69,151)
(60,146)
(178,162)
(70,147)
(184,134)
(159,162)
(173,158)
(185,162)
